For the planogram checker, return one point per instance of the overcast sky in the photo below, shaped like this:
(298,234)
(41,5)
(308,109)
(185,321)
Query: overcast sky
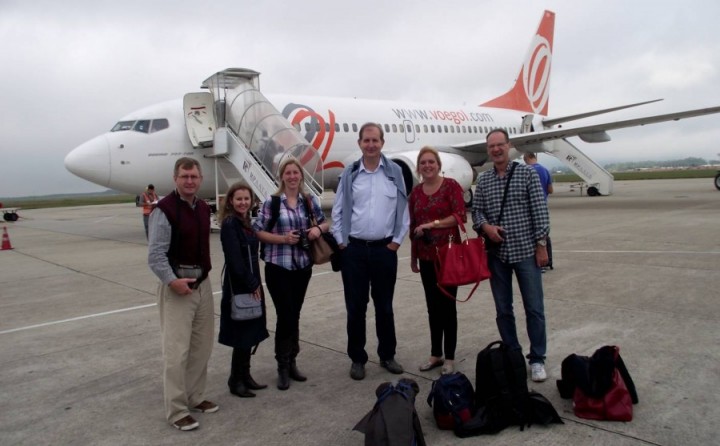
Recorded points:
(71,69)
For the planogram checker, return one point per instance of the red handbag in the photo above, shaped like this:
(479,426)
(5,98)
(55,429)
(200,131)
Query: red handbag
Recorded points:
(461,263)
(615,405)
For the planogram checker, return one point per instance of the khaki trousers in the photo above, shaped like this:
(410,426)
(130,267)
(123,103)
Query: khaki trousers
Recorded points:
(187,324)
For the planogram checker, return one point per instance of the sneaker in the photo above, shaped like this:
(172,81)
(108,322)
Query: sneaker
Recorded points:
(538,372)
(357,371)
(186,424)
(206,407)
(392,366)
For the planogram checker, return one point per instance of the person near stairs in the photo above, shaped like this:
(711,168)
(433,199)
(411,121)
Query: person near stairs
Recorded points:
(241,275)
(288,266)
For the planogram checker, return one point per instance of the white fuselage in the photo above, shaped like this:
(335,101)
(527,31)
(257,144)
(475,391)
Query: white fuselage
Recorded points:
(127,160)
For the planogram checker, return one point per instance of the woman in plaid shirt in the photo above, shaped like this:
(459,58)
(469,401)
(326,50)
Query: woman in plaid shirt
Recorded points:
(288,266)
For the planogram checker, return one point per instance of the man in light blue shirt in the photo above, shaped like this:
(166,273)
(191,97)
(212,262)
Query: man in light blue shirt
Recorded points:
(547,187)
(370,220)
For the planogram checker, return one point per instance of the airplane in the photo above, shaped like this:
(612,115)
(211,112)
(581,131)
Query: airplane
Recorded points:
(143,146)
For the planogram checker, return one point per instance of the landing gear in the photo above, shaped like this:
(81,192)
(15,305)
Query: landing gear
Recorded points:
(468,197)
(717,181)
(593,191)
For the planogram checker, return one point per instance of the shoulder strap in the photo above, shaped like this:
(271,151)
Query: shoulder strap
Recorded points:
(620,365)
(312,221)
(274,212)
(507,186)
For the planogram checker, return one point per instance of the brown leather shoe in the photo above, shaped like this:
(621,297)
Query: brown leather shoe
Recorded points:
(187,423)
(206,407)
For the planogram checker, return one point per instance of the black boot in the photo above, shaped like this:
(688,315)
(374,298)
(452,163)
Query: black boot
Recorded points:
(295,373)
(283,382)
(282,355)
(237,372)
(252,385)
(245,372)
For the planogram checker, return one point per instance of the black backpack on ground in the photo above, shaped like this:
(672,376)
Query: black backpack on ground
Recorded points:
(452,399)
(502,397)
(393,420)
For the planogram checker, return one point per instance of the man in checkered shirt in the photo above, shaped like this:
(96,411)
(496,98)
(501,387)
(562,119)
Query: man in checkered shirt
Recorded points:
(522,232)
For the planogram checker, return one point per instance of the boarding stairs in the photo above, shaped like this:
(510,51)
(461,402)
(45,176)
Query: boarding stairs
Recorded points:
(248,137)
(599,181)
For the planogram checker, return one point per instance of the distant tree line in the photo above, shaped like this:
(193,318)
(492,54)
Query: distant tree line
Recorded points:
(681,163)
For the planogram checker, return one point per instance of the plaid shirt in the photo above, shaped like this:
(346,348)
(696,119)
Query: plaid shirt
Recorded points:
(525,218)
(290,257)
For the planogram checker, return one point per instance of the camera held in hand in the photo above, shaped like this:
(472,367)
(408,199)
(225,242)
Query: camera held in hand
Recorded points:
(304,242)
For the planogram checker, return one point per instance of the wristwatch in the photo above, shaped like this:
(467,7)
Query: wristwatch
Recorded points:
(542,242)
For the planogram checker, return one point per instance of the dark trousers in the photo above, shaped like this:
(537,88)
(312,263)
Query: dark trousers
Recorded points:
(287,289)
(369,271)
(442,313)
(146,219)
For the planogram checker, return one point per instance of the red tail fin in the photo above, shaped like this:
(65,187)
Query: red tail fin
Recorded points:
(531,91)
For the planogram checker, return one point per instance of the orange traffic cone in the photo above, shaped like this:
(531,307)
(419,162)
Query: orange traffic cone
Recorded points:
(5,240)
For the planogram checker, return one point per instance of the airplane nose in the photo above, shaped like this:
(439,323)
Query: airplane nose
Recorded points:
(91,161)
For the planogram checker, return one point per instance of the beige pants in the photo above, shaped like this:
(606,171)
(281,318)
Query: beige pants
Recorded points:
(187,326)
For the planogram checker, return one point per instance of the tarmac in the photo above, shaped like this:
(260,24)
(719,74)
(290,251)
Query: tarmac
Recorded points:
(81,361)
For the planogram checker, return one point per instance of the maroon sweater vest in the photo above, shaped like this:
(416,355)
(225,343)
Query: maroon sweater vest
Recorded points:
(190,241)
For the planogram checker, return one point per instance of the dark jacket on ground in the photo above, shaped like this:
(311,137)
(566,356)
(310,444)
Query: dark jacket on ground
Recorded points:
(236,241)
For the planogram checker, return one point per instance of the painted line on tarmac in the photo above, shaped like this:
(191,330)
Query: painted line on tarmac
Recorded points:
(606,251)
(105,313)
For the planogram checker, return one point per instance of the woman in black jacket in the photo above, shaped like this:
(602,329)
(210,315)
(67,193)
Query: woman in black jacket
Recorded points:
(241,275)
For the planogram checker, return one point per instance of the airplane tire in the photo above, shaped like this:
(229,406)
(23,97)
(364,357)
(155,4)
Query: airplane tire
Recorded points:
(468,197)
(11,216)
(717,181)
(592,191)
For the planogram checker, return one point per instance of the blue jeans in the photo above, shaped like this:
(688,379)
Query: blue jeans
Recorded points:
(529,277)
(369,272)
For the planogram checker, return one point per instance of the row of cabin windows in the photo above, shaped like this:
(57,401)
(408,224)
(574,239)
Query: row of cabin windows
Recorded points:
(402,128)
(155,125)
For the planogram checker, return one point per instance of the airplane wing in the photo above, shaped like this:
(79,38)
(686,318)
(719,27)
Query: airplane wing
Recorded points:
(590,133)
(549,122)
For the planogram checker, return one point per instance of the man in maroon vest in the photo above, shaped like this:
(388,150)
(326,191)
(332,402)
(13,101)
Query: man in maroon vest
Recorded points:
(179,254)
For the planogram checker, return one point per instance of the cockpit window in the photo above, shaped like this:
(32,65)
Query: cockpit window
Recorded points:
(142,126)
(122,126)
(159,124)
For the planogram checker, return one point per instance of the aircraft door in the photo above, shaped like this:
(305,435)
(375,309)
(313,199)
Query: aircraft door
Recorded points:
(527,124)
(409,131)
(199,118)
